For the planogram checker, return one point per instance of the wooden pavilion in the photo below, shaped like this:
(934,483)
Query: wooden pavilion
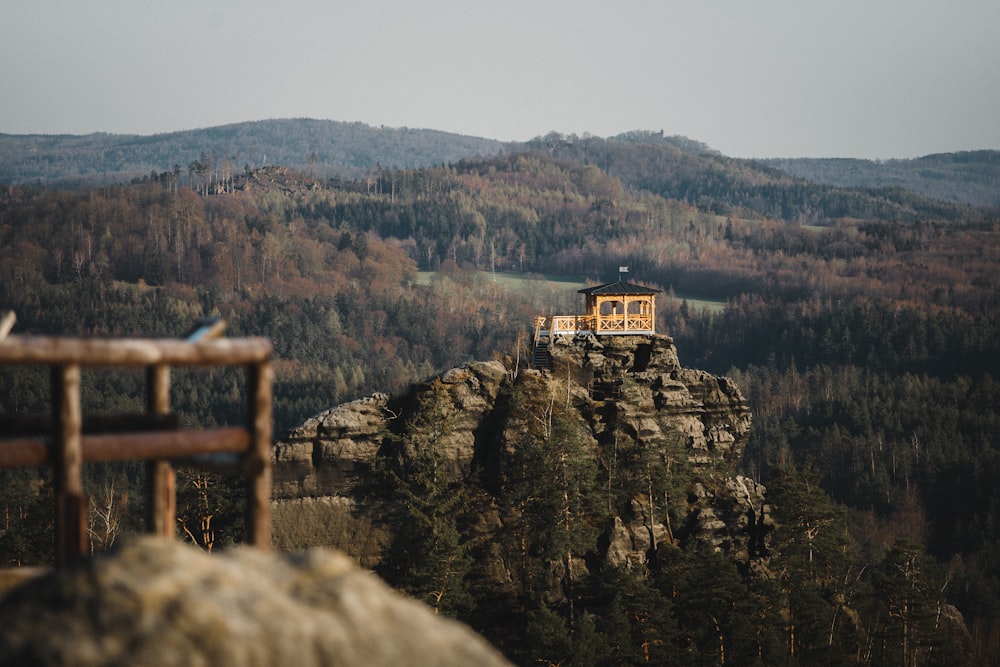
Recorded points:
(613,308)
(619,308)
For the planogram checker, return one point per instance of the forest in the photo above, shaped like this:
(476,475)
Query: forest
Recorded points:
(861,324)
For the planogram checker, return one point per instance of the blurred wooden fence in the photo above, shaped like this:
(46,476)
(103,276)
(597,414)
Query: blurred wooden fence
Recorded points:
(66,438)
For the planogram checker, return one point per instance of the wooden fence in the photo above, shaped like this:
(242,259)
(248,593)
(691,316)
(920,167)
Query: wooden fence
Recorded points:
(66,439)
(616,323)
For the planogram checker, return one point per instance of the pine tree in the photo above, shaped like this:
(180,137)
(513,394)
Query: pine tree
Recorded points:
(638,620)
(550,504)
(911,629)
(714,609)
(429,557)
(814,567)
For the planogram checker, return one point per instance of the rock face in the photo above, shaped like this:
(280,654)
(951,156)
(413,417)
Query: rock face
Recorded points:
(332,450)
(644,379)
(629,390)
(324,468)
(156,602)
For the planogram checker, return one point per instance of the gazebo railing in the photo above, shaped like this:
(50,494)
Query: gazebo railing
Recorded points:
(615,323)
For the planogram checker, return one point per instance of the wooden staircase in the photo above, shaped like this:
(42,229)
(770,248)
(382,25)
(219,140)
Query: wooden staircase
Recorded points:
(540,356)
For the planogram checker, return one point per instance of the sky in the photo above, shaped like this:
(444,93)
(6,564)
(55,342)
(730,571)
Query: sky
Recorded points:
(872,79)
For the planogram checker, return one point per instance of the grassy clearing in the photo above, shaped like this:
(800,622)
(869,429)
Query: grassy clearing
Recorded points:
(696,305)
(518,281)
(535,284)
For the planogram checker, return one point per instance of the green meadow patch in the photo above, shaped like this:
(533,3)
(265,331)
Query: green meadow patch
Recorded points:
(535,283)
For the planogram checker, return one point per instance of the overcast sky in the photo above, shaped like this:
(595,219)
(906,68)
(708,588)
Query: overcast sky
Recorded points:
(750,78)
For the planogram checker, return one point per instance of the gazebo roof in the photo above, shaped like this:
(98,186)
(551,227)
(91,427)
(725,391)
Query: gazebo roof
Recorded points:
(619,288)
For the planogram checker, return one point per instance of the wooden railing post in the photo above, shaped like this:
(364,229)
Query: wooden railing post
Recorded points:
(71,504)
(257,462)
(162,502)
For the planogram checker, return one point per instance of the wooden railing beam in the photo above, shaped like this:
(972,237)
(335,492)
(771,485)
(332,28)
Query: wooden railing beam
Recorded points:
(101,448)
(124,352)
(24,453)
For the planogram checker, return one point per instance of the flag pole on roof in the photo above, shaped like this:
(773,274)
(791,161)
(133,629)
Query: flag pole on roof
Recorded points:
(621,270)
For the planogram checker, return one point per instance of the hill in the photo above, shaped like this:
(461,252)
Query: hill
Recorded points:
(323,147)
(971,177)
(681,168)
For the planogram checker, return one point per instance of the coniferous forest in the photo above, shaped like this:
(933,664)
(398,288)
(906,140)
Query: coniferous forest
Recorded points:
(861,324)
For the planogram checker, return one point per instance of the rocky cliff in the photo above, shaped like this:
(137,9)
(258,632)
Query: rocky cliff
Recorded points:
(662,442)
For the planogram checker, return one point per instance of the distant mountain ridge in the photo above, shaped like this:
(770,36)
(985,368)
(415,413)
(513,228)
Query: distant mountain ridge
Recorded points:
(967,177)
(325,148)
(677,168)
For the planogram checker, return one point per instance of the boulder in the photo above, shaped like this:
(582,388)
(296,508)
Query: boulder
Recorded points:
(161,603)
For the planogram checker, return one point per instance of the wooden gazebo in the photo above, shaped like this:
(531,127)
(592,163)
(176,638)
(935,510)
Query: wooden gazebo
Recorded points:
(618,308)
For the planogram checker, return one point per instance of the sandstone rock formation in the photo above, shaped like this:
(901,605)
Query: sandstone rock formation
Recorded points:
(156,602)
(628,389)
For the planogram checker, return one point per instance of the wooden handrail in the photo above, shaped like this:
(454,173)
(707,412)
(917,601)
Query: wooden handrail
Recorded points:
(598,324)
(24,453)
(133,352)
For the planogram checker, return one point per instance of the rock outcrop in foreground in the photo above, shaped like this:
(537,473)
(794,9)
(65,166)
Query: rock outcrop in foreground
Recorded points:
(160,603)
(630,394)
